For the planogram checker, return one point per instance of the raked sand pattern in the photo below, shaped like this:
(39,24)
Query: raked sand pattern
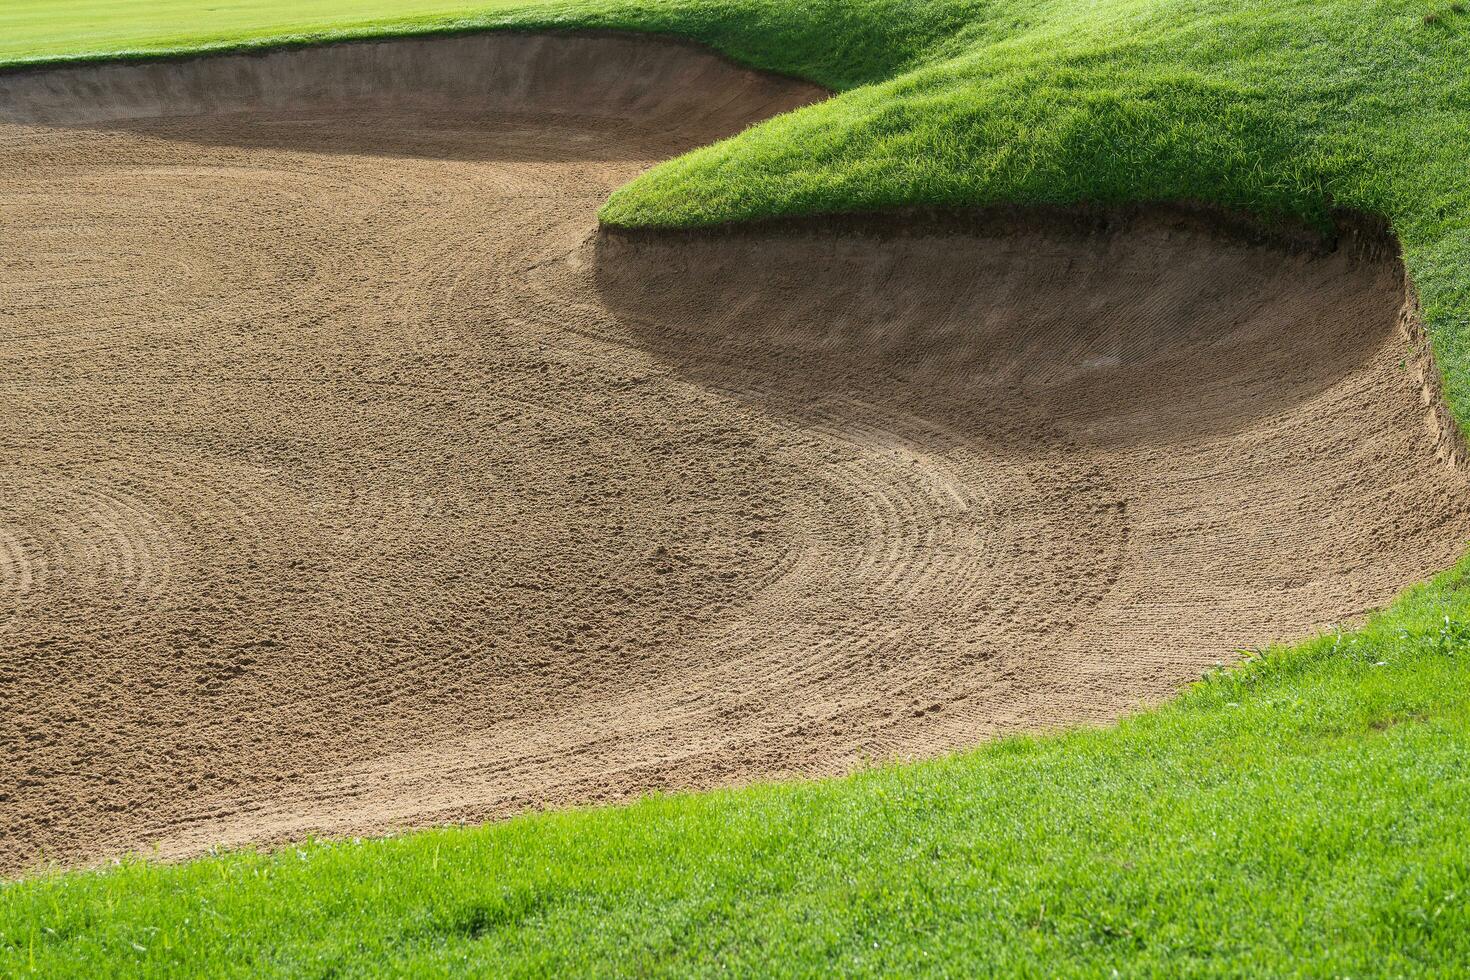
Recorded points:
(352,480)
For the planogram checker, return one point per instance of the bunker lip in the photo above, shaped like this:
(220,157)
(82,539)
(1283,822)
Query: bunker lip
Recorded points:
(1359,234)
(1363,233)
(413,68)
(360,482)
(287,44)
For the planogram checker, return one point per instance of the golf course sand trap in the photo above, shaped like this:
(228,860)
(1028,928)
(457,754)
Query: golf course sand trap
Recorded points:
(353,481)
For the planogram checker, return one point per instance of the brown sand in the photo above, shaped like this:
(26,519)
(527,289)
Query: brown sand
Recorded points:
(351,481)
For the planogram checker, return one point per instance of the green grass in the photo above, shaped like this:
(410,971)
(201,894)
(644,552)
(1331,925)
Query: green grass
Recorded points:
(1308,813)
(45,30)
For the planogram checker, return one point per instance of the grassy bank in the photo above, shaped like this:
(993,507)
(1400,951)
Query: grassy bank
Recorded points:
(1309,812)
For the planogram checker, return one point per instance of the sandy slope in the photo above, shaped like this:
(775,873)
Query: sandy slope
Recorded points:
(351,481)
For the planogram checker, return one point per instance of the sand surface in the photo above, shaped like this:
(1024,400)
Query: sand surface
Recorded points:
(351,481)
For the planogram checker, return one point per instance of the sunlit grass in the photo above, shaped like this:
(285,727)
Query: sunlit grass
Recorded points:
(32,30)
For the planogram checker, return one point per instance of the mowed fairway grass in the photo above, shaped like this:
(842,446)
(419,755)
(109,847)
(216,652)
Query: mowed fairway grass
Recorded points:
(1305,813)
(41,30)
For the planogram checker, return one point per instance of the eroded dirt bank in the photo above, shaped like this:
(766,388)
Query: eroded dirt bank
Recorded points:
(351,481)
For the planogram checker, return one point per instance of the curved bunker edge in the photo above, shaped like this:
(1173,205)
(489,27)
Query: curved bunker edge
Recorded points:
(1029,456)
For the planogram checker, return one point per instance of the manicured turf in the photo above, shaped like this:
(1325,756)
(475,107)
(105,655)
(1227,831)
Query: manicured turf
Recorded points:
(1308,813)
(40,30)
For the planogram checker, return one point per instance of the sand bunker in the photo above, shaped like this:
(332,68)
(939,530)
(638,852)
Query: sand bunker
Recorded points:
(352,481)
